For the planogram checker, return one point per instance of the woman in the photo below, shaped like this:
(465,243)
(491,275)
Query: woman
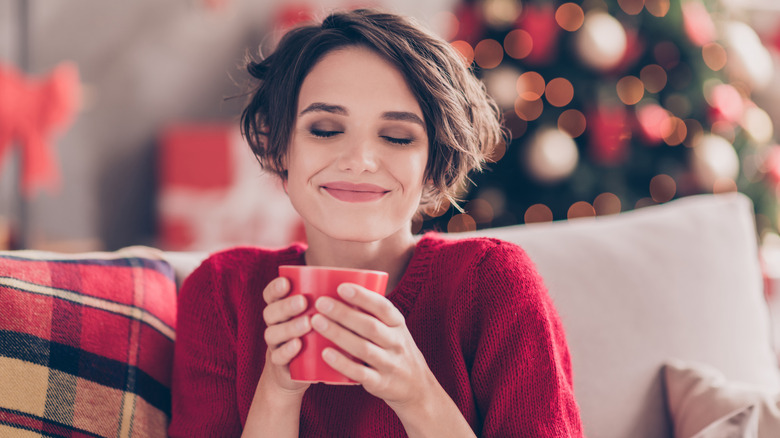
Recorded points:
(367,118)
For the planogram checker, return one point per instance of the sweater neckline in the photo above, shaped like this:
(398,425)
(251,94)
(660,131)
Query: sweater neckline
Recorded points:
(414,279)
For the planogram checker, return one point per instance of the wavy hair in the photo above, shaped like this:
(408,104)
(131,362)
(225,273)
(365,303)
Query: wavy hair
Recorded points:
(463,123)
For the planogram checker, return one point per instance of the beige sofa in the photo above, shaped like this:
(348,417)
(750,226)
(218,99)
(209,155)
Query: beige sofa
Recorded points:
(635,290)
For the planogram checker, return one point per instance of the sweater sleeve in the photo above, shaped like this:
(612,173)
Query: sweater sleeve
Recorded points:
(521,372)
(204,366)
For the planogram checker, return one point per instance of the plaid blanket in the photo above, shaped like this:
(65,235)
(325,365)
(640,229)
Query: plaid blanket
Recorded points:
(86,344)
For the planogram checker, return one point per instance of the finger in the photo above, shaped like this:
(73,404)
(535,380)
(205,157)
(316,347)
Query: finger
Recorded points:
(278,334)
(284,309)
(278,288)
(286,352)
(371,302)
(358,372)
(360,348)
(361,323)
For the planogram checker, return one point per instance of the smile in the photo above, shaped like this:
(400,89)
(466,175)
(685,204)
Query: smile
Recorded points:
(349,192)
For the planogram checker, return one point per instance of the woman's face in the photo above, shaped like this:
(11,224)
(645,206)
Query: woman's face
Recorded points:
(359,148)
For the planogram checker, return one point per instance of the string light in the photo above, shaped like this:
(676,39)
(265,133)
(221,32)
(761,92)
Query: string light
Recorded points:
(530,85)
(559,92)
(606,203)
(460,223)
(569,16)
(662,188)
(480,210)
(654,78)
(528,110)
(465,50)
(714,56)
(518,44)
(572,122)
(631,7)
(580,209)
(630,90)
(538,213)
(658,8)
(675,131)
(758,124)
(488,53)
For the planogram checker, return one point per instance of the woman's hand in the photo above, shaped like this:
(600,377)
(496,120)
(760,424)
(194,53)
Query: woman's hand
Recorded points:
(386,360)
(276,406)
(285,326)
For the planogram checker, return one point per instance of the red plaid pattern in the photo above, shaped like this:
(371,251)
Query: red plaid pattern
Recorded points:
(86,344)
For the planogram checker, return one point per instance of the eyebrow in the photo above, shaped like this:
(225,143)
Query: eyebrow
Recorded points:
(401,116)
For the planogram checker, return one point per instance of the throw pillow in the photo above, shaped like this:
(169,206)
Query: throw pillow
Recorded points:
(699,395)
(86,343)
(740,424)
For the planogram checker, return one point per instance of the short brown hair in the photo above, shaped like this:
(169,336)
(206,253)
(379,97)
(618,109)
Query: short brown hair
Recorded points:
(462,122)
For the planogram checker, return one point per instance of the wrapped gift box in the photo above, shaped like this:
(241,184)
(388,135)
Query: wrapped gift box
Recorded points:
(213,193)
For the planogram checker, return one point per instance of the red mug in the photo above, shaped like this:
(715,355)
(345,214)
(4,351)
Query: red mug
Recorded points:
(314,282)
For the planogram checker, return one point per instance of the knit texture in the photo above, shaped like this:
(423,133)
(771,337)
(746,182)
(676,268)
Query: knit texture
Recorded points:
(476,308)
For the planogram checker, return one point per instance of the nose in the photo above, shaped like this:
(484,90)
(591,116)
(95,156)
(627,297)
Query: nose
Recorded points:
(358,156)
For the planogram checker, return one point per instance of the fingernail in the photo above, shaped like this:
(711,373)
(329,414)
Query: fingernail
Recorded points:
(346,290)
(302,324)
(324,304)
(328,354)
(281,285)
(291,346)
(319,322)
(299,303)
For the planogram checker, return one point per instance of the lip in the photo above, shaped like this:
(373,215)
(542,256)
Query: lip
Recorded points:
(351,192)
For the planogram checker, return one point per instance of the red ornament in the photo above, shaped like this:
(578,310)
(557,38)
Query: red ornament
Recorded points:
(539,22)
(608,134)
(31,111)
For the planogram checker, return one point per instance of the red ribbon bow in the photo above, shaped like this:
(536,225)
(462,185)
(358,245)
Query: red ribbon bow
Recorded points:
(31,110)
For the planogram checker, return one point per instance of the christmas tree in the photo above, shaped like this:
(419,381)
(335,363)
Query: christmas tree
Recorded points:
(614,105)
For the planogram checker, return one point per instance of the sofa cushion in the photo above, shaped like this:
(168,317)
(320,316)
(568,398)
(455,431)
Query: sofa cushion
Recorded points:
(700,397)
(678,280)
(86,343)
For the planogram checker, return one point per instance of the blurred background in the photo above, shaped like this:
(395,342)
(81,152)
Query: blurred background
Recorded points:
(118,122)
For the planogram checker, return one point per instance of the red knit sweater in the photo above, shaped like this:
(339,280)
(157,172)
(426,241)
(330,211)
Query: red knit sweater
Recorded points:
(476,308)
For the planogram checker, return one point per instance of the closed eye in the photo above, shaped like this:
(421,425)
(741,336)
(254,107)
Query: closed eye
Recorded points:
(396,140)
(323,133)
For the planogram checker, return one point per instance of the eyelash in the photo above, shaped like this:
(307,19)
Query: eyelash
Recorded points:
(328,134)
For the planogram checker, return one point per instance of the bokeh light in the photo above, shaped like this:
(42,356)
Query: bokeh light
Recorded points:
(580,209)
(530,85)
(518,44)
(631,7)
(465,50)
(662,188)
(569,16)
(515,124)
(654,77)
(480,210)
(658,8)
(758,124)
(678,104)
(497,153)
(501,13)
(572,122)
(666,54)
(724,185)
(630,90)
(675,131)
(417,223)
(724,129)
(559,92)
(461,223)
(528,110)
(436,210)
(644,202)
(607,203)
(538,213)
(488,53)
(695,132)
(714,56)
